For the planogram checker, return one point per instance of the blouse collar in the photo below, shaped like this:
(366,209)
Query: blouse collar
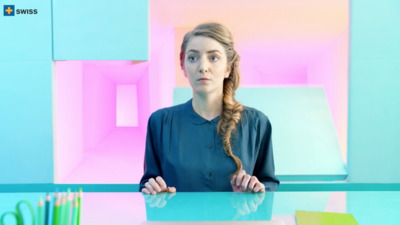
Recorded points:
(196,118)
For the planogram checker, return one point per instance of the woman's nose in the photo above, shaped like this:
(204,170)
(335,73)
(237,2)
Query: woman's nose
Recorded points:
(204,66)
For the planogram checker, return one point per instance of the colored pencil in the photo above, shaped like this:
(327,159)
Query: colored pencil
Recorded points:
(68,208)
(47,209)
(63,202)
(79,206)
(74,219)
(56,212)
(40,212)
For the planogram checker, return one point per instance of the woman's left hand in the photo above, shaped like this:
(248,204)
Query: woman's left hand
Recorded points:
(243,182)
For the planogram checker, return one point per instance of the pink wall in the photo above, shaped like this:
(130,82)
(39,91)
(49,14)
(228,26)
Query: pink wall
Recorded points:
(161,66)
(143,94)
(99,106)
(68,117)
(127,113)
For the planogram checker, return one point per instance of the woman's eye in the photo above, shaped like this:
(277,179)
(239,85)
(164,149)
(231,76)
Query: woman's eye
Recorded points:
(213,58)
(191,58)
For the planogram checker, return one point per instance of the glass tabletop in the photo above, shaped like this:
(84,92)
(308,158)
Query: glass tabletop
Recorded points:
(367,207)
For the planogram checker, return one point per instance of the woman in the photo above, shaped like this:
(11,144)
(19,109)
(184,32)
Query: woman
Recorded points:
(211,142)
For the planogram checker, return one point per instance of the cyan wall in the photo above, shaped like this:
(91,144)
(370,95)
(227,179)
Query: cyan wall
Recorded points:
(374,91)
(26,127)
(101,30)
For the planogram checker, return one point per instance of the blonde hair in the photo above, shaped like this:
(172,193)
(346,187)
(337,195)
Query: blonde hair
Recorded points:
(231,109)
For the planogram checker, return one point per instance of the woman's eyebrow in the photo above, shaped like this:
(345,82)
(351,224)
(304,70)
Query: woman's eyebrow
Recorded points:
(211,51)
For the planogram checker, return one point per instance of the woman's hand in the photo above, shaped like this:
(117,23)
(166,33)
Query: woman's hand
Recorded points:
(158,185)
(243,182)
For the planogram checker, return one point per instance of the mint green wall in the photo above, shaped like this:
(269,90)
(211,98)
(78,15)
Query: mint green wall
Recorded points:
(374,91)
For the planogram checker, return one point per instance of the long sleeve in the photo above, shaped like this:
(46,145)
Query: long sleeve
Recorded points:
(264,168)
(151,158)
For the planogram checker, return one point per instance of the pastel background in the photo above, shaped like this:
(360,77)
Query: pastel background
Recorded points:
(77,84)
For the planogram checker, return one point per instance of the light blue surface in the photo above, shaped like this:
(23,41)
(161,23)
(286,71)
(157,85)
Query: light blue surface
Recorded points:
(209,207)
(101,30)
(26,129)
(288,202)
(304,138)
(26,37)
(372,208)
(374,93)
(368,208)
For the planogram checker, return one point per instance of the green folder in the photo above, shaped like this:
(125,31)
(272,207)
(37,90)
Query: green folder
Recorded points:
(324,218)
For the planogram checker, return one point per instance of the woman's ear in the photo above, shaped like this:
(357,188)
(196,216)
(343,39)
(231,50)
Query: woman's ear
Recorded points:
(228,71)
(183,69)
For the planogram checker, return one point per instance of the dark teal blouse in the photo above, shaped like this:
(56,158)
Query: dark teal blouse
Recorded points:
(186,150)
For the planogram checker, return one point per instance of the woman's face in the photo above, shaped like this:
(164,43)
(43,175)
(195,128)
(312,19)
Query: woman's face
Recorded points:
(205,65)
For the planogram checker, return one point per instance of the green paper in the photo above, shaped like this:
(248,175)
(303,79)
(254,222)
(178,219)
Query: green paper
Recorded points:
(324,218)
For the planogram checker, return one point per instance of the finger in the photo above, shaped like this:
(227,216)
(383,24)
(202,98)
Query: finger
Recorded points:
(161,182)
(233,180)
(145,190)
(262,188)
(259,187)
(155,185)
(239,177)
(252,183)
(150,188)
(245,182)
(171,189)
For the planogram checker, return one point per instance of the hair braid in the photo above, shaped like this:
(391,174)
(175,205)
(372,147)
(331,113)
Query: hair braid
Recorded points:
(231,110)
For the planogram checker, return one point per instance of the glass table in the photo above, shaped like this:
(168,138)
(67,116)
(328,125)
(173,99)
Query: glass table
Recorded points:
(368,207)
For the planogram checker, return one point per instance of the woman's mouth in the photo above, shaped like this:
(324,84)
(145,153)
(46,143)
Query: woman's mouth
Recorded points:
(203,79)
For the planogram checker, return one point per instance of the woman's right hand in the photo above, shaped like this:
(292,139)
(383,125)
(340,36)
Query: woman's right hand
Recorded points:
(158,185)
